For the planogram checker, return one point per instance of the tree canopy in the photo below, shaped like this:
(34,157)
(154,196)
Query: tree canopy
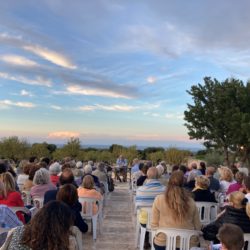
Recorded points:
(220,114)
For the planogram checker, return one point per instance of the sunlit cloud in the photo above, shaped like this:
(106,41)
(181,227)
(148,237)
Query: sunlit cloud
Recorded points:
(9,103)
(123,108)
(24,92)
(18,61)
(78,90)
(38,80)
(50,55)
(56,107)
(151,79)
(63,134)
(177,116)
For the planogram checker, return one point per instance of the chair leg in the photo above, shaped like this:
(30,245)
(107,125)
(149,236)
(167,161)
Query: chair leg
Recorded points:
(142,237)
(94,227)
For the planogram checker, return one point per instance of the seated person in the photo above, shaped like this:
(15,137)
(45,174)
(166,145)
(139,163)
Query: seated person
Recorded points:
(68,194)
(8,195)
(235,213)
(201,191)
(42,183)
(239,177)
(87,190)
(143,177)
(54,170)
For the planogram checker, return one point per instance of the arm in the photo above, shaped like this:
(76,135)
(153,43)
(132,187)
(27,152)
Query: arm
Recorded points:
(155,214)
(80,223)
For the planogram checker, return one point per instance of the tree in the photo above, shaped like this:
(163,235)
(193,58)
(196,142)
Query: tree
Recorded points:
(39,150)
(72,148)
(219,113)
(13,148)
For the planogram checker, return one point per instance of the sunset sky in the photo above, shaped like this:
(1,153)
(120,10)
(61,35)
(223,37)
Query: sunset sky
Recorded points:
(112,71)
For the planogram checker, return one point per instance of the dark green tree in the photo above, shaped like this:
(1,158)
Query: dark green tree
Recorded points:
(218,114)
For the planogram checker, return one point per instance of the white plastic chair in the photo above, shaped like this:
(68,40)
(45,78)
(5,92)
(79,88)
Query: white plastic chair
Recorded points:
(147,228)
(207,211)
(174,234)
(87,212)
(26,197)
(247,239)
(106,188)
(38,202)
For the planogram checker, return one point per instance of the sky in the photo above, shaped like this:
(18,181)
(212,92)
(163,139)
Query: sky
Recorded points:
(113,71)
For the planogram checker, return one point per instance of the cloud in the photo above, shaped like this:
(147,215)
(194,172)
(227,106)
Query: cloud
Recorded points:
(50,55)
(18,61)
(9,103)
(56,107)
(38,80)
(24,92)
(79,90)
(63,134)
(123,108)
(177,116)
(151,79)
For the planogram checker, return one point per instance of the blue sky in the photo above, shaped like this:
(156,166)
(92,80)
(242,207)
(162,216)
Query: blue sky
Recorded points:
(112,71)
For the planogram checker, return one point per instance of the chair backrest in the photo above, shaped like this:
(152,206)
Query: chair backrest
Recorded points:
(207,211)
(38,202)
(247,239)
(26,197)
(88,206)
(173,235)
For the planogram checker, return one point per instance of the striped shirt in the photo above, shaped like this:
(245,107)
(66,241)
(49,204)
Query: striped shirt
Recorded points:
(146,194)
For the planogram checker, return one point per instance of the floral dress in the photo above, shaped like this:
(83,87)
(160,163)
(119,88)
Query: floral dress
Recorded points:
(15,240)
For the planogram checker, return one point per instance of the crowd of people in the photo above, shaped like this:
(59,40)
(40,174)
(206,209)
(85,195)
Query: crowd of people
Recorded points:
(172,192)
(173,197)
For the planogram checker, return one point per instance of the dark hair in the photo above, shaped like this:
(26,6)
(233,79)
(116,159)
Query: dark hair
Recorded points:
(65,165)
(66,177)
(141,165)
(33,169)
(183,169)
(3,167)
(231,236)
(67,194)
(46,160)
(49,228)
(32,159)
(175,168)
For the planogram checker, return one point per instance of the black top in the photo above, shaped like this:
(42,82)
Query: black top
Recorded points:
(203,195)
(141,180)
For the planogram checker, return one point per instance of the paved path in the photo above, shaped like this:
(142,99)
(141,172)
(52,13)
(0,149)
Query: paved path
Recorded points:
(118,231)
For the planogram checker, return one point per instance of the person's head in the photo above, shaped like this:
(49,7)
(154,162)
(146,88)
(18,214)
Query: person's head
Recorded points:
(41,177)
(101,166)
(231,237)
(33,169)
(144,169)
(237,199)
(239,177)
(88,182)
(67,194)
(183,169)
(33,159)
(202,182)
(79,164)
(226,174)
(247,183)
(192,166)
(3,167)
(55,168)
(22,164)
(141,164)
(210,171)
(46,160)
(202,165)
(88,169)
(175,168)
(65,165)
(152,173)
(8,181)
(49,228)
(27,167)
(67,177)
(135,161)
(160,169)
(177,198)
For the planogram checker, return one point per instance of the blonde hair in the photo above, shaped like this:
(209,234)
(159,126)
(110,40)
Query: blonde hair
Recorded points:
(2,190)
(177,198)
(236,198)
(226,174)
(202,182)
(8,182)
(88,182)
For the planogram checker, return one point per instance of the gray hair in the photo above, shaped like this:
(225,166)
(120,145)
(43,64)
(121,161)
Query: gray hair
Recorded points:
(41,177)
